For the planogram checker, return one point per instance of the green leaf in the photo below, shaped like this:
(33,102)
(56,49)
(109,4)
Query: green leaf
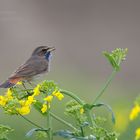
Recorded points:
(72,136)
(64,133)
(4,131)
(111,60)
(31,132)
(108,107)
(87,107)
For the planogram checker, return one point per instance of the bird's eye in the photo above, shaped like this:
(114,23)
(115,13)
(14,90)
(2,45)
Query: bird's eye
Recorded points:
(44,50)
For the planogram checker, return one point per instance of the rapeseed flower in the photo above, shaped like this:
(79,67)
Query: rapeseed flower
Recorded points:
(137,134)
(37,90)
(121,118)
(25,105)
(14,103)
(30,100)
(58,94)
(44,108)
(9,94)
(24,110)
(81,111)
(3,101)
(134,112)
(27,102)
(48,98)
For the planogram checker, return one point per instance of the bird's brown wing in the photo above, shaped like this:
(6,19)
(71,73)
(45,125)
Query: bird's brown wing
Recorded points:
(23,71)
(30,68)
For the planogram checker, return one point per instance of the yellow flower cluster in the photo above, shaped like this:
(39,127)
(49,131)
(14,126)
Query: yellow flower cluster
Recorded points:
(36,90)
(14,104)
(26,104)
(82,110)
(22,106)
(3,101)
(137,134)
(58,94)
(134,112)
(6,98)
(44,108)
(49,99)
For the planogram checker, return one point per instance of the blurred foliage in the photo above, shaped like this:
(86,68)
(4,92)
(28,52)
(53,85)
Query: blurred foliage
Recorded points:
(4,132)
(135,112)
(116,57)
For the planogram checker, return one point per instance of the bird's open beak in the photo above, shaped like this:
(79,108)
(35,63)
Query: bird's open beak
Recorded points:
(51,49)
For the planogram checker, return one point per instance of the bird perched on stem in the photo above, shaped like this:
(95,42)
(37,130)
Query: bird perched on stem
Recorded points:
(37,64)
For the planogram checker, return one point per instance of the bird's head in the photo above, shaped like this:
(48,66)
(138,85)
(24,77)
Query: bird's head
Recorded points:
(43,51)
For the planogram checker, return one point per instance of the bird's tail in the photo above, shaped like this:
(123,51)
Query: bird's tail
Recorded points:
(7,84)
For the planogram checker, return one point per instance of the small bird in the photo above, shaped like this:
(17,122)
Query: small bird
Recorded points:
(37,64)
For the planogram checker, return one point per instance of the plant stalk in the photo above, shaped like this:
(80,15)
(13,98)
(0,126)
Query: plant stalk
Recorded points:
(63,121)
(50,133)
(100,93)
(31,122)
(90,118)
(72,95)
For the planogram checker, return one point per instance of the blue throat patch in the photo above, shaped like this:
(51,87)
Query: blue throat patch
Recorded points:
(48,56)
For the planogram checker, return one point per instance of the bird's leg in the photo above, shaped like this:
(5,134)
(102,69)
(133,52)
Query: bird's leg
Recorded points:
(31,84)
(23,84)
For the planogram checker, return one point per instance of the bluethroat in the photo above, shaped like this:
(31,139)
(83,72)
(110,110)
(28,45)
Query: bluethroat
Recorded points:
(37,64)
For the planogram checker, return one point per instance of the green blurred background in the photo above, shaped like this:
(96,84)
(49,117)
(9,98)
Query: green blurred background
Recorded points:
(80,30)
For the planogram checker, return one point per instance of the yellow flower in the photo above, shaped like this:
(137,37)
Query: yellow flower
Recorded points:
(58,94)
(44,108)
(134,112)
(81,111)
(48,98)
(9,94)
(121,118)
(27,102)
(19,83)
(30,100)
(3,101)
(24,110)
(36,90)
(137,134)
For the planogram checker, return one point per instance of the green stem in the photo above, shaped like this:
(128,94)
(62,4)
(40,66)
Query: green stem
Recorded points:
(88,112)
(82,131)
(72,95)
(30,121)
(105,86)
(90,118)
(50,136)
(63,121)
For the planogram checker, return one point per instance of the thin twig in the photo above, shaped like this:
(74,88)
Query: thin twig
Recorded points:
(63,121)
(104,87)
(30,121)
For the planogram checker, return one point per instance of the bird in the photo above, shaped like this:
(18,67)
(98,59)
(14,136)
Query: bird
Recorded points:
(37,64)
